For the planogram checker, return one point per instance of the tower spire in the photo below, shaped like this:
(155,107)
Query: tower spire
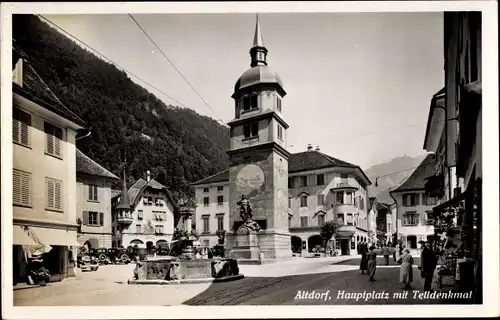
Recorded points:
(124,198)
(258,51)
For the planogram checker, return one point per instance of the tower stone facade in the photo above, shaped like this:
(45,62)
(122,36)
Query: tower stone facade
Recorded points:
(259,157)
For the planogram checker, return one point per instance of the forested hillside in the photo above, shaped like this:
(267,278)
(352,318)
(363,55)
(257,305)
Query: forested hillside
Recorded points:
(178,145)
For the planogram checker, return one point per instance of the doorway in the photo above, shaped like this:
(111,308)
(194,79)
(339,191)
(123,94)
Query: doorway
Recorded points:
(345,247)
(411,242)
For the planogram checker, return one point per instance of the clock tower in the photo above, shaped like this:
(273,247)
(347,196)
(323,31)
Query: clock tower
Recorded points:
(258,155)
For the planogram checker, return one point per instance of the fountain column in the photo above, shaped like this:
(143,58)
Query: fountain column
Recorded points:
(187,213)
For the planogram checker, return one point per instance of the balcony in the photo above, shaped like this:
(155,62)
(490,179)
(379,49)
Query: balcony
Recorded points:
(125,219)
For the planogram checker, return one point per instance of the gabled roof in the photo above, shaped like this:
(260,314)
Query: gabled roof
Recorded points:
(298,162)
(88,166)
(135,191)
(416,181)
(36,90)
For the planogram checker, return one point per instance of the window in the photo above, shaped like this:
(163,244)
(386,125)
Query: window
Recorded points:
(410,199)
(159,229)
(220,188)
(280,132)
(290,183)
(93,193)
(303,201)
(21,183)
(160,215)
(348,198)
(430,201)
(303,221)
(206,224)
(321,220)
(250,103)
(278,104)
(289,202)
(220,221)
(20,127)
(340,198)
(340,219)
(321,199)
(320,179)
(53,137)
(410,219)
(343,177)
(361,203)
(428,218)
(95,219)
(53,188)
(206,190)
(140,215)
(138,228)
(220,200)
(389,227)
(303,181)
(350,220)
(206,201)
(251,130)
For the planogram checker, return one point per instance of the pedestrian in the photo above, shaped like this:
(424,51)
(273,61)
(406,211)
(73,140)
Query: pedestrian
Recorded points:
(385,253)
(406,269)
(397,253)
(363,266)
(372,262)
(428,262)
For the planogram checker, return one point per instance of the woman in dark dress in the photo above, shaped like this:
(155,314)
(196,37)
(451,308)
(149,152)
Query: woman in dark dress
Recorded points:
(372,262)
(363,266)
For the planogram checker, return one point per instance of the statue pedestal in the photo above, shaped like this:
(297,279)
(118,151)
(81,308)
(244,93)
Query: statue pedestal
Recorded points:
(243,246)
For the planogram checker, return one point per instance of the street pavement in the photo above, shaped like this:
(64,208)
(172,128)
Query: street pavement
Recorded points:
(314,281)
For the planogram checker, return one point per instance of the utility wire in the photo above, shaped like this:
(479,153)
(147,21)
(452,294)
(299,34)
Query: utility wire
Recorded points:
(176,69)
(111,61)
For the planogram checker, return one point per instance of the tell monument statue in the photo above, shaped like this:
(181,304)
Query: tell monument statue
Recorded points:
(246,214)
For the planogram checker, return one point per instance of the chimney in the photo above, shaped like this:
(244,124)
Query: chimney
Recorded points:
(148,175)
(317,148)
(309,147)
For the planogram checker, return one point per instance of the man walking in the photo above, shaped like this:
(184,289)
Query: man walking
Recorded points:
(386,253)
(428,262)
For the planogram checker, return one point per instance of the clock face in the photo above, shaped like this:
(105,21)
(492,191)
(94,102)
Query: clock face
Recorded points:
(249,179)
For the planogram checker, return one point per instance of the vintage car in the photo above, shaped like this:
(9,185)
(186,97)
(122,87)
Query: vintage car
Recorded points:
(119,255)
(101,254)
(88,263)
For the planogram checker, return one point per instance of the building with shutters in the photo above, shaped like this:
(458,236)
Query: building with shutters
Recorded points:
(144,215)
(44,132)
(414,206)
(93,202)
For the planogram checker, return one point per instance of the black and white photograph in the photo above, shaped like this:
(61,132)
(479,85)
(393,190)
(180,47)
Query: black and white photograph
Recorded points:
(171,156)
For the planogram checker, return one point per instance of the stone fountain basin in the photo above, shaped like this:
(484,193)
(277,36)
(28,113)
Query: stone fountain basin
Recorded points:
(172,270)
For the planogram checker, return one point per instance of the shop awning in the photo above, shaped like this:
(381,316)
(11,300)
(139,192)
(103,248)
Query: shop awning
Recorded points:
(453,201)
(56,237)
(345,233)
(21,237)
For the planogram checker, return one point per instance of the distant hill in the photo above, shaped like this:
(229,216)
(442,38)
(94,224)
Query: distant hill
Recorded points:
(394,177)
(178,145)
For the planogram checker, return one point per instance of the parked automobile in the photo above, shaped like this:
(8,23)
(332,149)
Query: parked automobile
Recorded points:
(88,263)
(119,255)
(101,254)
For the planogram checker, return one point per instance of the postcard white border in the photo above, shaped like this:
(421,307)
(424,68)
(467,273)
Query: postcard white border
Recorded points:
(490,164)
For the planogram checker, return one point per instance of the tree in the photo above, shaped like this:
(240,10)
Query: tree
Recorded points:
(328,230)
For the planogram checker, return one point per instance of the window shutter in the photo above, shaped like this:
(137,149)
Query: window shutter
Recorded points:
(24,134)
(101,219)
(57,195)
(26,188)
(16,184)
(57,142)
(15,130)
(85,218)
(50,193)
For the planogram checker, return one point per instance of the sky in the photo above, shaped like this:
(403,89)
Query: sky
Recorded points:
(358,85)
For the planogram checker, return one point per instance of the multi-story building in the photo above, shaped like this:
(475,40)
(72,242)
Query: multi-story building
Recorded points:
(454,134)
(414,206)
(144,215)
(383,220)
(93,202)
(44,132)
(320,188)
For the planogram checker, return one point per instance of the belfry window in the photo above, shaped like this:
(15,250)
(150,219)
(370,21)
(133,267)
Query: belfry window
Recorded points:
(250,103)
(251,130)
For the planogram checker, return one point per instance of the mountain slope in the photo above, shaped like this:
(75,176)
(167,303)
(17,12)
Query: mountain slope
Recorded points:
(390,174)
(178,145)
